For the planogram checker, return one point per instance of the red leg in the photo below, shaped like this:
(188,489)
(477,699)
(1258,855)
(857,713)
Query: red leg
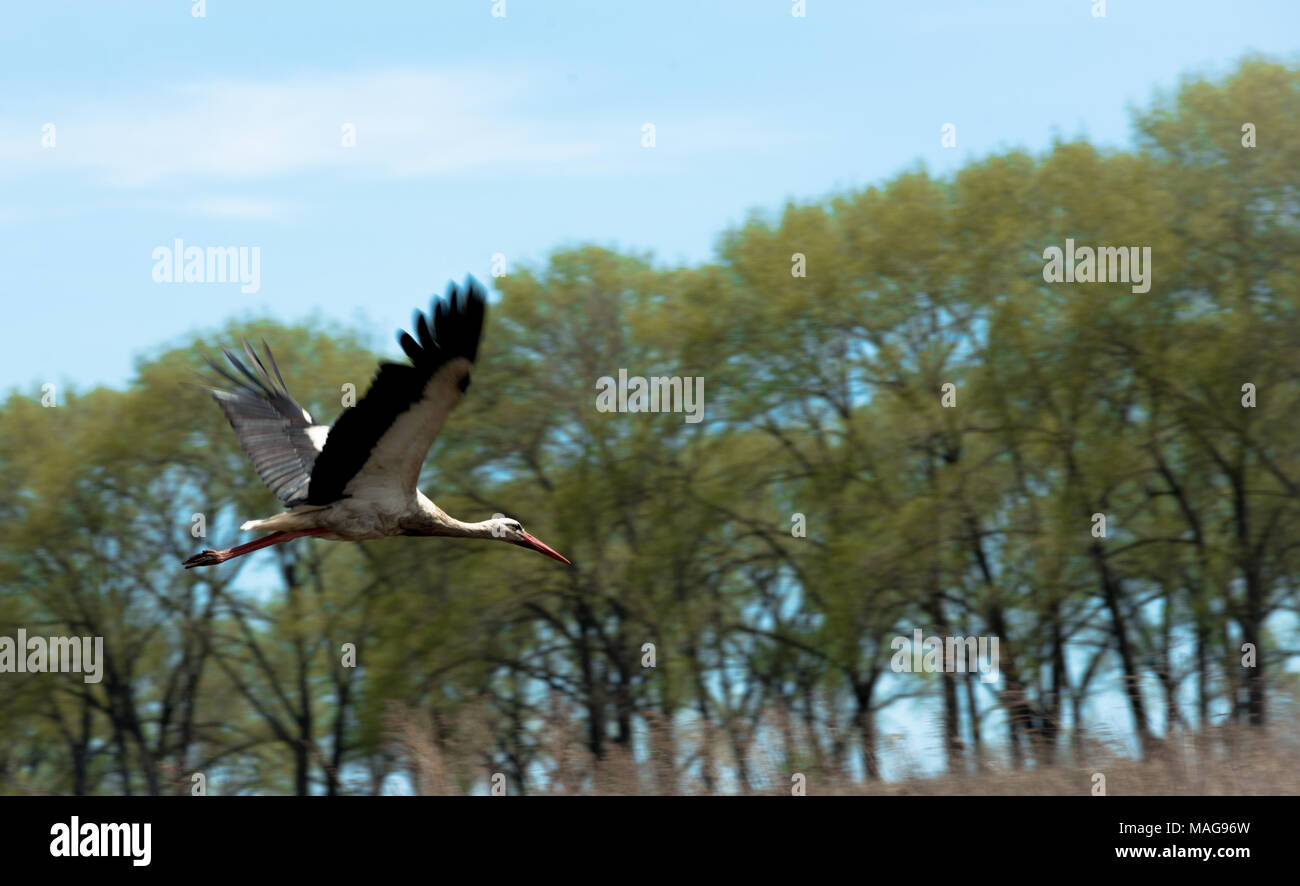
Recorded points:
(212,558)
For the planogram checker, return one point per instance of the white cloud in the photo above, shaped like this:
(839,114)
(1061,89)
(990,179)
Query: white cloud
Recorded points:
(238,208)
(408,124)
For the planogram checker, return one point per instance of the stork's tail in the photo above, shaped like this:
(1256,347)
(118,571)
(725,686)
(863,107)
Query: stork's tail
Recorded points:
(290,521)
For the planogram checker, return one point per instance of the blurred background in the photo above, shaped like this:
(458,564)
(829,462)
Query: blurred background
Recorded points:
(836,211)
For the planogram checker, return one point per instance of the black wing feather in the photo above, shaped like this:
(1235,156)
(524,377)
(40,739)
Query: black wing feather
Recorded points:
(410,347)
(455,331)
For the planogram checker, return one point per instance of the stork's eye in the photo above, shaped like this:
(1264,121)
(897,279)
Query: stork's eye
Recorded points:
(515,526)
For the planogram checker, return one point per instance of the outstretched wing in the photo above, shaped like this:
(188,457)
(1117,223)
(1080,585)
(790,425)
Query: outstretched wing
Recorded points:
(280,437)
(380,444)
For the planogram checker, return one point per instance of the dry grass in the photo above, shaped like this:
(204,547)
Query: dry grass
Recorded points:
(1221,762)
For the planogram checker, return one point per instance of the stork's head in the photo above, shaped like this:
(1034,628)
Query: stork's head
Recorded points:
(509,529)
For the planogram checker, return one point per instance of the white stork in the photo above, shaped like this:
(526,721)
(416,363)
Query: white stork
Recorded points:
(356,480)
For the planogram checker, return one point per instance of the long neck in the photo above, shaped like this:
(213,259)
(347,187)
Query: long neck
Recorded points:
(460,529)
(433,520)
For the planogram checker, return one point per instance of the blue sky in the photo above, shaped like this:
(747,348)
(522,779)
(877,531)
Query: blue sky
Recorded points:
(479,135)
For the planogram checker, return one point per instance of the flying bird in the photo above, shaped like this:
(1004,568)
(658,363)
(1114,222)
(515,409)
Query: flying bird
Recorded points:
(357,479)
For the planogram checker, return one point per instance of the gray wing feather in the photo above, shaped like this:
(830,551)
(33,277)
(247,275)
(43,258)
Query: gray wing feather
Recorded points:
(281,438)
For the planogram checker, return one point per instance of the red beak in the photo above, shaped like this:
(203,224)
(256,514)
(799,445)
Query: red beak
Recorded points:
(541,547)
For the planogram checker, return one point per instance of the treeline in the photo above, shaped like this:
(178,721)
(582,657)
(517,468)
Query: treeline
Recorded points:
(905,425)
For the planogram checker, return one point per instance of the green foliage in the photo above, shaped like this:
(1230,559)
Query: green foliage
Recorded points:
(823,400)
